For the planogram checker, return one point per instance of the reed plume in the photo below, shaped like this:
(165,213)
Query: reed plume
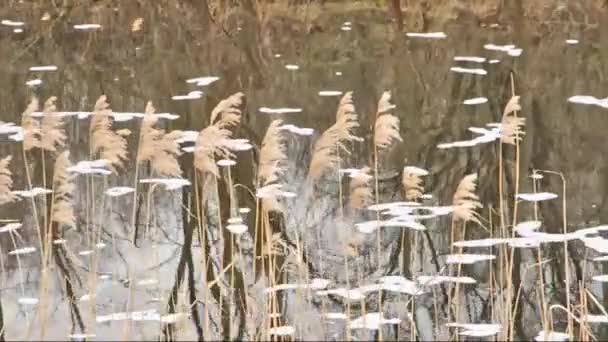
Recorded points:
(326,153)
(412,184)
(386,129)
(110,145)
(30,126)
(272,155)
(63,185)
(211,141)
(465,201)
(227,113)
(159,148)
(6,181)
(52,134)
(360,195)
(511,126)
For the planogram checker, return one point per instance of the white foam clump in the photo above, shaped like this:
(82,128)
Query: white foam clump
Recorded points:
(485,135)
(473,59)
(429,35)
(285,330)
(297,130)
(400,284)
(372,321)
(27,301)
(193,95)
(346,28)
(438,279)
(226,162)
(86,252)
(335,315)
(475,101)
(187,136)
(526,228)
(292,67)
(145,315)
(8,22)
(203,81)
(537,196)
(33,83)
(85,298)
(571,41)
(468,258)
(81,336)
(32,193)
(18,30)
(148,281)
(474,71)
(551,336)
(10,227)
(60,241)
(237,144)
(273,190)
(536,176)
(244,210)
(86,27)
(414,170)
(595,318)
(237,228)
(479,243)
(510,49)
(315,284)
(591,100)
(349,294)
(119,191)
(279,110)
(330,93)
(9,128)
(91,167)
(494,61)
(24,250)
(169,183)
(371,226)
(43,68)
(601,278)
(233,220)
(476,330)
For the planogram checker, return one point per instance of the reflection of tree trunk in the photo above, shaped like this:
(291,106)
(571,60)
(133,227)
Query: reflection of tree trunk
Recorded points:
(2,330)
(396,9)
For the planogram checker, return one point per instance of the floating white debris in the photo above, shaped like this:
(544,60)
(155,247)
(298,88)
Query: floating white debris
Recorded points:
(429,35)
(468,258)
(24,250)
(601,278)
(352,294)
(524,242)
(86,252)
(476,330)
(93,167)
(86,27)
(335,315)
(371,321)
(175,317)
(169,183)
(105,276)
(100,245)
(285,330)
(146,315)
(234,220)
(315,284)
(292,67)
(8,22)
(244,210)
(473,59)
(438,279)
(9,128)
(400,284)
(280,110)
(146,282)
(346,28)
(238,144)
(537,196)
(330,93)
(469,71)
(119,191)
(277,55)
(526,227)
(595,318)
(551,336)
(27,301)
(386,206)
(85,298)
(60,241)
(536,176)
(414,170)
(10,227)
(18,30)
(479,243)
(44,68)
(203,81)
(368,227)
(226,162)
(236,229)
(571,41)
(584,99)
(601,258)
(494,61)
(34,82)
(515,52)
(81,336)
(193,95)
(338,73)
(273,190)
(502,48)
(475,101)
(298,130)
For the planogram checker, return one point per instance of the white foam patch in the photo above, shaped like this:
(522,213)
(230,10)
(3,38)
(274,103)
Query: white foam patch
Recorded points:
(474,71)
(475,101)
(427,35)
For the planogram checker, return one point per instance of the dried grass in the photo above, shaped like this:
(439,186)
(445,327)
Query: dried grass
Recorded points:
(30,126)
(412,185)
(159,148)
(227,113)
(465,201)
(52,134)
(63,188)
(211,141)
(6,181)
(361,194)
(511,127)
(386,130)
(110,145)
(272,155)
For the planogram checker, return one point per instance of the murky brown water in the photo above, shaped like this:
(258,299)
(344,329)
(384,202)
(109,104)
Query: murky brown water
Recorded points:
(147,51)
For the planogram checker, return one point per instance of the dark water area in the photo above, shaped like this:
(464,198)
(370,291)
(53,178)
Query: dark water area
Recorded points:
(306,55)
